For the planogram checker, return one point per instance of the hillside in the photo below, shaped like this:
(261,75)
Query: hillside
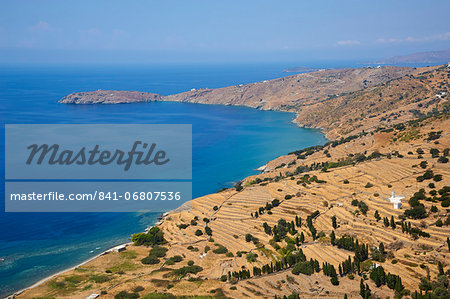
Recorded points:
(317,221)
(278,94)
(431,57)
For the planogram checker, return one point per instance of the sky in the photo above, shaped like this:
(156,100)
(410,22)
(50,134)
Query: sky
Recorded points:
(147,31)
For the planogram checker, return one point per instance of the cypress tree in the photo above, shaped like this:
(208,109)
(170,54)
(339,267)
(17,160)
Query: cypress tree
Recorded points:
(440,268)
(302,237)
(333,238)
(362,288)
(367,293)
(334,222)
(377,215)
(393,225)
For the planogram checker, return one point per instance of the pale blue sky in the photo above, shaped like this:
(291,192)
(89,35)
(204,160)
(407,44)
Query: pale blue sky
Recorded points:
(218,31)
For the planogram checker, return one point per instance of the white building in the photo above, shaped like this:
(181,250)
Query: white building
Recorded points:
(396,200)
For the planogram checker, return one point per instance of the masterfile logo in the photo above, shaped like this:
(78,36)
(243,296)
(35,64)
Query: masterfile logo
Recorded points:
(98,152)
(97,168)
(53,155)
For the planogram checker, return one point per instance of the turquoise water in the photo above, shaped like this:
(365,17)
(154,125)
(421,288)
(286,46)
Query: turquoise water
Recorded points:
(229,143)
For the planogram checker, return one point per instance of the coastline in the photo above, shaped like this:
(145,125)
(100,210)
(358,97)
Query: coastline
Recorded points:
(13,295)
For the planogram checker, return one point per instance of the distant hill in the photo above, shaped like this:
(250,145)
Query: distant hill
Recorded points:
(432,57)
(300,69)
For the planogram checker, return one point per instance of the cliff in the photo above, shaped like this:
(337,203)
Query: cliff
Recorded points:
(285,94)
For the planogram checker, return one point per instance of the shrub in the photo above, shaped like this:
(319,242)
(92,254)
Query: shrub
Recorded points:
(346,182)
(362,206)
(288,196)
(437,178)
(190,263)
(442,159)
(126,295)
(434,152)
(183,226)
(334,281)
(215,208)
(198,232)
(153,237)
(158,251)
(368,185)
(208,231)
(220,249)
(176,258)
(194,269)
(248,237)
(303,268)
(251,257)
(428,175)
(138,289)
(150,260)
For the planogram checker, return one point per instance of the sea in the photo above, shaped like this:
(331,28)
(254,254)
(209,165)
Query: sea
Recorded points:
(229,143)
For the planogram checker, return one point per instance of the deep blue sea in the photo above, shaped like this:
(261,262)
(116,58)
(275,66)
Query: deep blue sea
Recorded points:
(229,143)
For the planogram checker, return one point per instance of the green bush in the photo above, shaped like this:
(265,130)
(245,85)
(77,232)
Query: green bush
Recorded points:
(220,249)
(303,268)
(158,251)
(174,259)
(252,257)
(138,289)
(153,237)
(126,295)
(194,269)
(150,260)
